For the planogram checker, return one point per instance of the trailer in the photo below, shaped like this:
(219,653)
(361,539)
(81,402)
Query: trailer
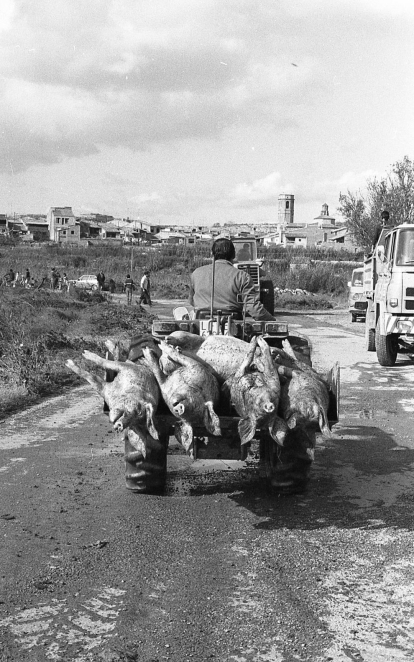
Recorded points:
(285,468)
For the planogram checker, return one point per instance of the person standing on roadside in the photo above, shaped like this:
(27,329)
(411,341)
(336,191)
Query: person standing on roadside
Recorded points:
(129,287)
(100,277)
(9,277)
(145,288)
(27,278)
(54,278)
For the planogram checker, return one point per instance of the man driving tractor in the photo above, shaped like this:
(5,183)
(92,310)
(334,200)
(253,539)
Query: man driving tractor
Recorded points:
(228,284)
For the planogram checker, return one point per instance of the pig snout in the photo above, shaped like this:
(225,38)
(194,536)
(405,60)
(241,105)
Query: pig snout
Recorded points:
(269,407)
(178,408)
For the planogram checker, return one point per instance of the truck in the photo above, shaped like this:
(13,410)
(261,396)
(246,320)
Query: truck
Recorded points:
(357,300)
(389,289)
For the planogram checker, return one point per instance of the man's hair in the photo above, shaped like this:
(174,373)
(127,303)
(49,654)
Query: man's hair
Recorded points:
(385,214)
(223,249)
(128,276)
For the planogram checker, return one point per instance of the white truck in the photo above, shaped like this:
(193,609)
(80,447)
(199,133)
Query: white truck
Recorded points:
(389,288)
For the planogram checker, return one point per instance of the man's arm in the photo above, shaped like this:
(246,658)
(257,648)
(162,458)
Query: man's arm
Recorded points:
(252,300)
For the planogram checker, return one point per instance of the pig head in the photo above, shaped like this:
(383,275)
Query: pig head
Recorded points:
(132,396)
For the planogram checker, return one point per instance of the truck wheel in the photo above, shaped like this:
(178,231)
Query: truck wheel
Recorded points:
(387,347)
(146,475)
(267,295)
(286,467)
(369,338)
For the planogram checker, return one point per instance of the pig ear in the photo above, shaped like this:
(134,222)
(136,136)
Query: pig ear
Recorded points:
(291,422)
(96,382)
(323,423)
(278,430)
(184,434)
(150,422)
(211,420)
(247,428)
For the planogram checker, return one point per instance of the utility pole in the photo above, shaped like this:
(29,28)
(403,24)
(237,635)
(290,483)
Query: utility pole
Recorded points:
(132,258)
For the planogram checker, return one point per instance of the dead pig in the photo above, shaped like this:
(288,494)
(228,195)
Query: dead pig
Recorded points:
(223,353)
(255,395)
(304,398)
(132,396)
(190,392)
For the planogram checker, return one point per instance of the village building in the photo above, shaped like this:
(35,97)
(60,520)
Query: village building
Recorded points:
(63,226)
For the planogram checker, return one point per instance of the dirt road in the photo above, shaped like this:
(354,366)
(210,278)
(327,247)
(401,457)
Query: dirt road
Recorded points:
(217,568)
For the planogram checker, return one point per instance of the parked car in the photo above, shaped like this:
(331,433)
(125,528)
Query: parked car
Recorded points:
(86,283)
(357,300)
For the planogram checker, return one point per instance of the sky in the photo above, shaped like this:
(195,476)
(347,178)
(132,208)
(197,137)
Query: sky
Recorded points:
(201,111)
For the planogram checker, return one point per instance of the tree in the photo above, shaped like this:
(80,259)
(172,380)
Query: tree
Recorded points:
(394,192)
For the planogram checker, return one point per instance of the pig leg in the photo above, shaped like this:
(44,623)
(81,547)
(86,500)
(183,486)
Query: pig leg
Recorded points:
(96,382)
(103,363)
(152,361)
(268,366)
(246,363)
(323,423)
(113,349)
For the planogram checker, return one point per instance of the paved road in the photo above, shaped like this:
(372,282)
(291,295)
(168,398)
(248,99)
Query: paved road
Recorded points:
(217,568)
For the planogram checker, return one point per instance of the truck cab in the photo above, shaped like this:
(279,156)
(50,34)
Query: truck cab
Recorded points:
(357,300)
(389,287)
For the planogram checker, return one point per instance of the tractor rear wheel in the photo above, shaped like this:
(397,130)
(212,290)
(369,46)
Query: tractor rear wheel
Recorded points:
(286,467)
(148,474)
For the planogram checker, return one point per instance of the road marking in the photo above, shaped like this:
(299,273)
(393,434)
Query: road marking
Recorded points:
(56,626)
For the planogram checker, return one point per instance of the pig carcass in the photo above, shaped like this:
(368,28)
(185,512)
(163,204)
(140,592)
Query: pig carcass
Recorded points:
(190,392)
(304,399)
(223,353)
(132,396)
(255,395)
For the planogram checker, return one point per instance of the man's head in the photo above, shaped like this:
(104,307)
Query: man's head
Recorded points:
(223,249)
(385,216)
(146,272)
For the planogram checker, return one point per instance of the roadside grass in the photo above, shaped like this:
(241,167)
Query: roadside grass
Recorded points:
(171,266)
(41,329)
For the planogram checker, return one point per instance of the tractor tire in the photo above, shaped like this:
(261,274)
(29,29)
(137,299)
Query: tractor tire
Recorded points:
(146,475)
(386,347)
(267,295)
(369,338)
(286,467)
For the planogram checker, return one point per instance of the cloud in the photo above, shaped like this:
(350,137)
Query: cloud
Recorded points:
(260,192)
(77,76)
(147,198)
